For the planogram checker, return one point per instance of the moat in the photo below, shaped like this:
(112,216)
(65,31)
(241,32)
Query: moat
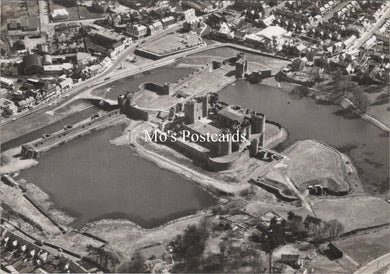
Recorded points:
(367,145)
(135,189)
(113,183)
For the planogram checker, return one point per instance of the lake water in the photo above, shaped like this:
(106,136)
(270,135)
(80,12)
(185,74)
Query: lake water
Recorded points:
(304,119)
(159,76)
(91,179)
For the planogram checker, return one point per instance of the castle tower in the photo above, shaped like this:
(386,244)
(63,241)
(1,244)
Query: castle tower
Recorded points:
(262,131)
(205,105)
(189,114)
(193,110)
(256,121)
(248,132)
(258,126)
(254,148)
(130,100)
(224,147)
(241,66)
(171,113)
(121,100)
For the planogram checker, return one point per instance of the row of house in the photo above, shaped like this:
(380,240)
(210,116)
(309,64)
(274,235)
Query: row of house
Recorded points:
(33,91)
(138,30)
(22,256)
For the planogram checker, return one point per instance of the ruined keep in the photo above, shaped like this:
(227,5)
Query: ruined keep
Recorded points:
(196,109)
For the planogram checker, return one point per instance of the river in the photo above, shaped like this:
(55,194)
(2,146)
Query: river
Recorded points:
(304,119)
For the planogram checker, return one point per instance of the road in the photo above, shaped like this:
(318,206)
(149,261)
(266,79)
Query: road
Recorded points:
(85,86)
(82,89)
(87,83)
(43,15)
(338,7)
(374,265)
(385,16)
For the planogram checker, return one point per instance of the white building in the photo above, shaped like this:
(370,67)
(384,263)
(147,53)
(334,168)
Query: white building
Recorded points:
(138,31)
(66,83)
(55,69)
(189,14)
(8,83)
(60,14)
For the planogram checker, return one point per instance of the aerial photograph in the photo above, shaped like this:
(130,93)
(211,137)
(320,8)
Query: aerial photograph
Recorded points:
(207,136)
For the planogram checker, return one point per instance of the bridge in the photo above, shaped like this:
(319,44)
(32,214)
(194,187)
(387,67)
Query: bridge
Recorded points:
(281,156)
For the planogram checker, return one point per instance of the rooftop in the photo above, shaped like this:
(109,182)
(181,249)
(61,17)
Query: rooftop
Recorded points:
(231,114)
(203,127)
(271,31)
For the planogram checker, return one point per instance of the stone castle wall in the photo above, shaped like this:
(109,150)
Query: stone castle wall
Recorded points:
(37,147)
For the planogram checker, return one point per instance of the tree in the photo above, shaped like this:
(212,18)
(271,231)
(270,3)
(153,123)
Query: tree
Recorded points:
(190,246)
(362,101)
(136,265)
(101,256)
(335,228)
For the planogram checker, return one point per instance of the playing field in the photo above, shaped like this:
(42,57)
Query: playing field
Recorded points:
(173,42)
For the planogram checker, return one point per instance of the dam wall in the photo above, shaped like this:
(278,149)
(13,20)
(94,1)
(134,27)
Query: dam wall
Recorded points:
(37,147)
(135,113)
(278,192)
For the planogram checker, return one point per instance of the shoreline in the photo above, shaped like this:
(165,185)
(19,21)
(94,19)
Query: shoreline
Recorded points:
(208,184)
(366,117)
(203,181)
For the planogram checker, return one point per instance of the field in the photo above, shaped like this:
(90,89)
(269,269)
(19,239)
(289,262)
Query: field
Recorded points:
(375,245)
(312,162)
(254,61)
(354,212)
(173,42)
(68,5)
(75,12)
(11,9)
(380,104)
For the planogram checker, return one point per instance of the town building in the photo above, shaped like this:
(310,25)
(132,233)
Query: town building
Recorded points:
(58,68)
(137,31)
(107,43)
(32,64)
(5,82)
(59,14)
(167,21)
(157,26)
(7,107)
(100,5)
(192,24)
(189,14)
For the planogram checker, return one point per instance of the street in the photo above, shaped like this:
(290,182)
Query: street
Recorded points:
(87,83)
(386,15)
